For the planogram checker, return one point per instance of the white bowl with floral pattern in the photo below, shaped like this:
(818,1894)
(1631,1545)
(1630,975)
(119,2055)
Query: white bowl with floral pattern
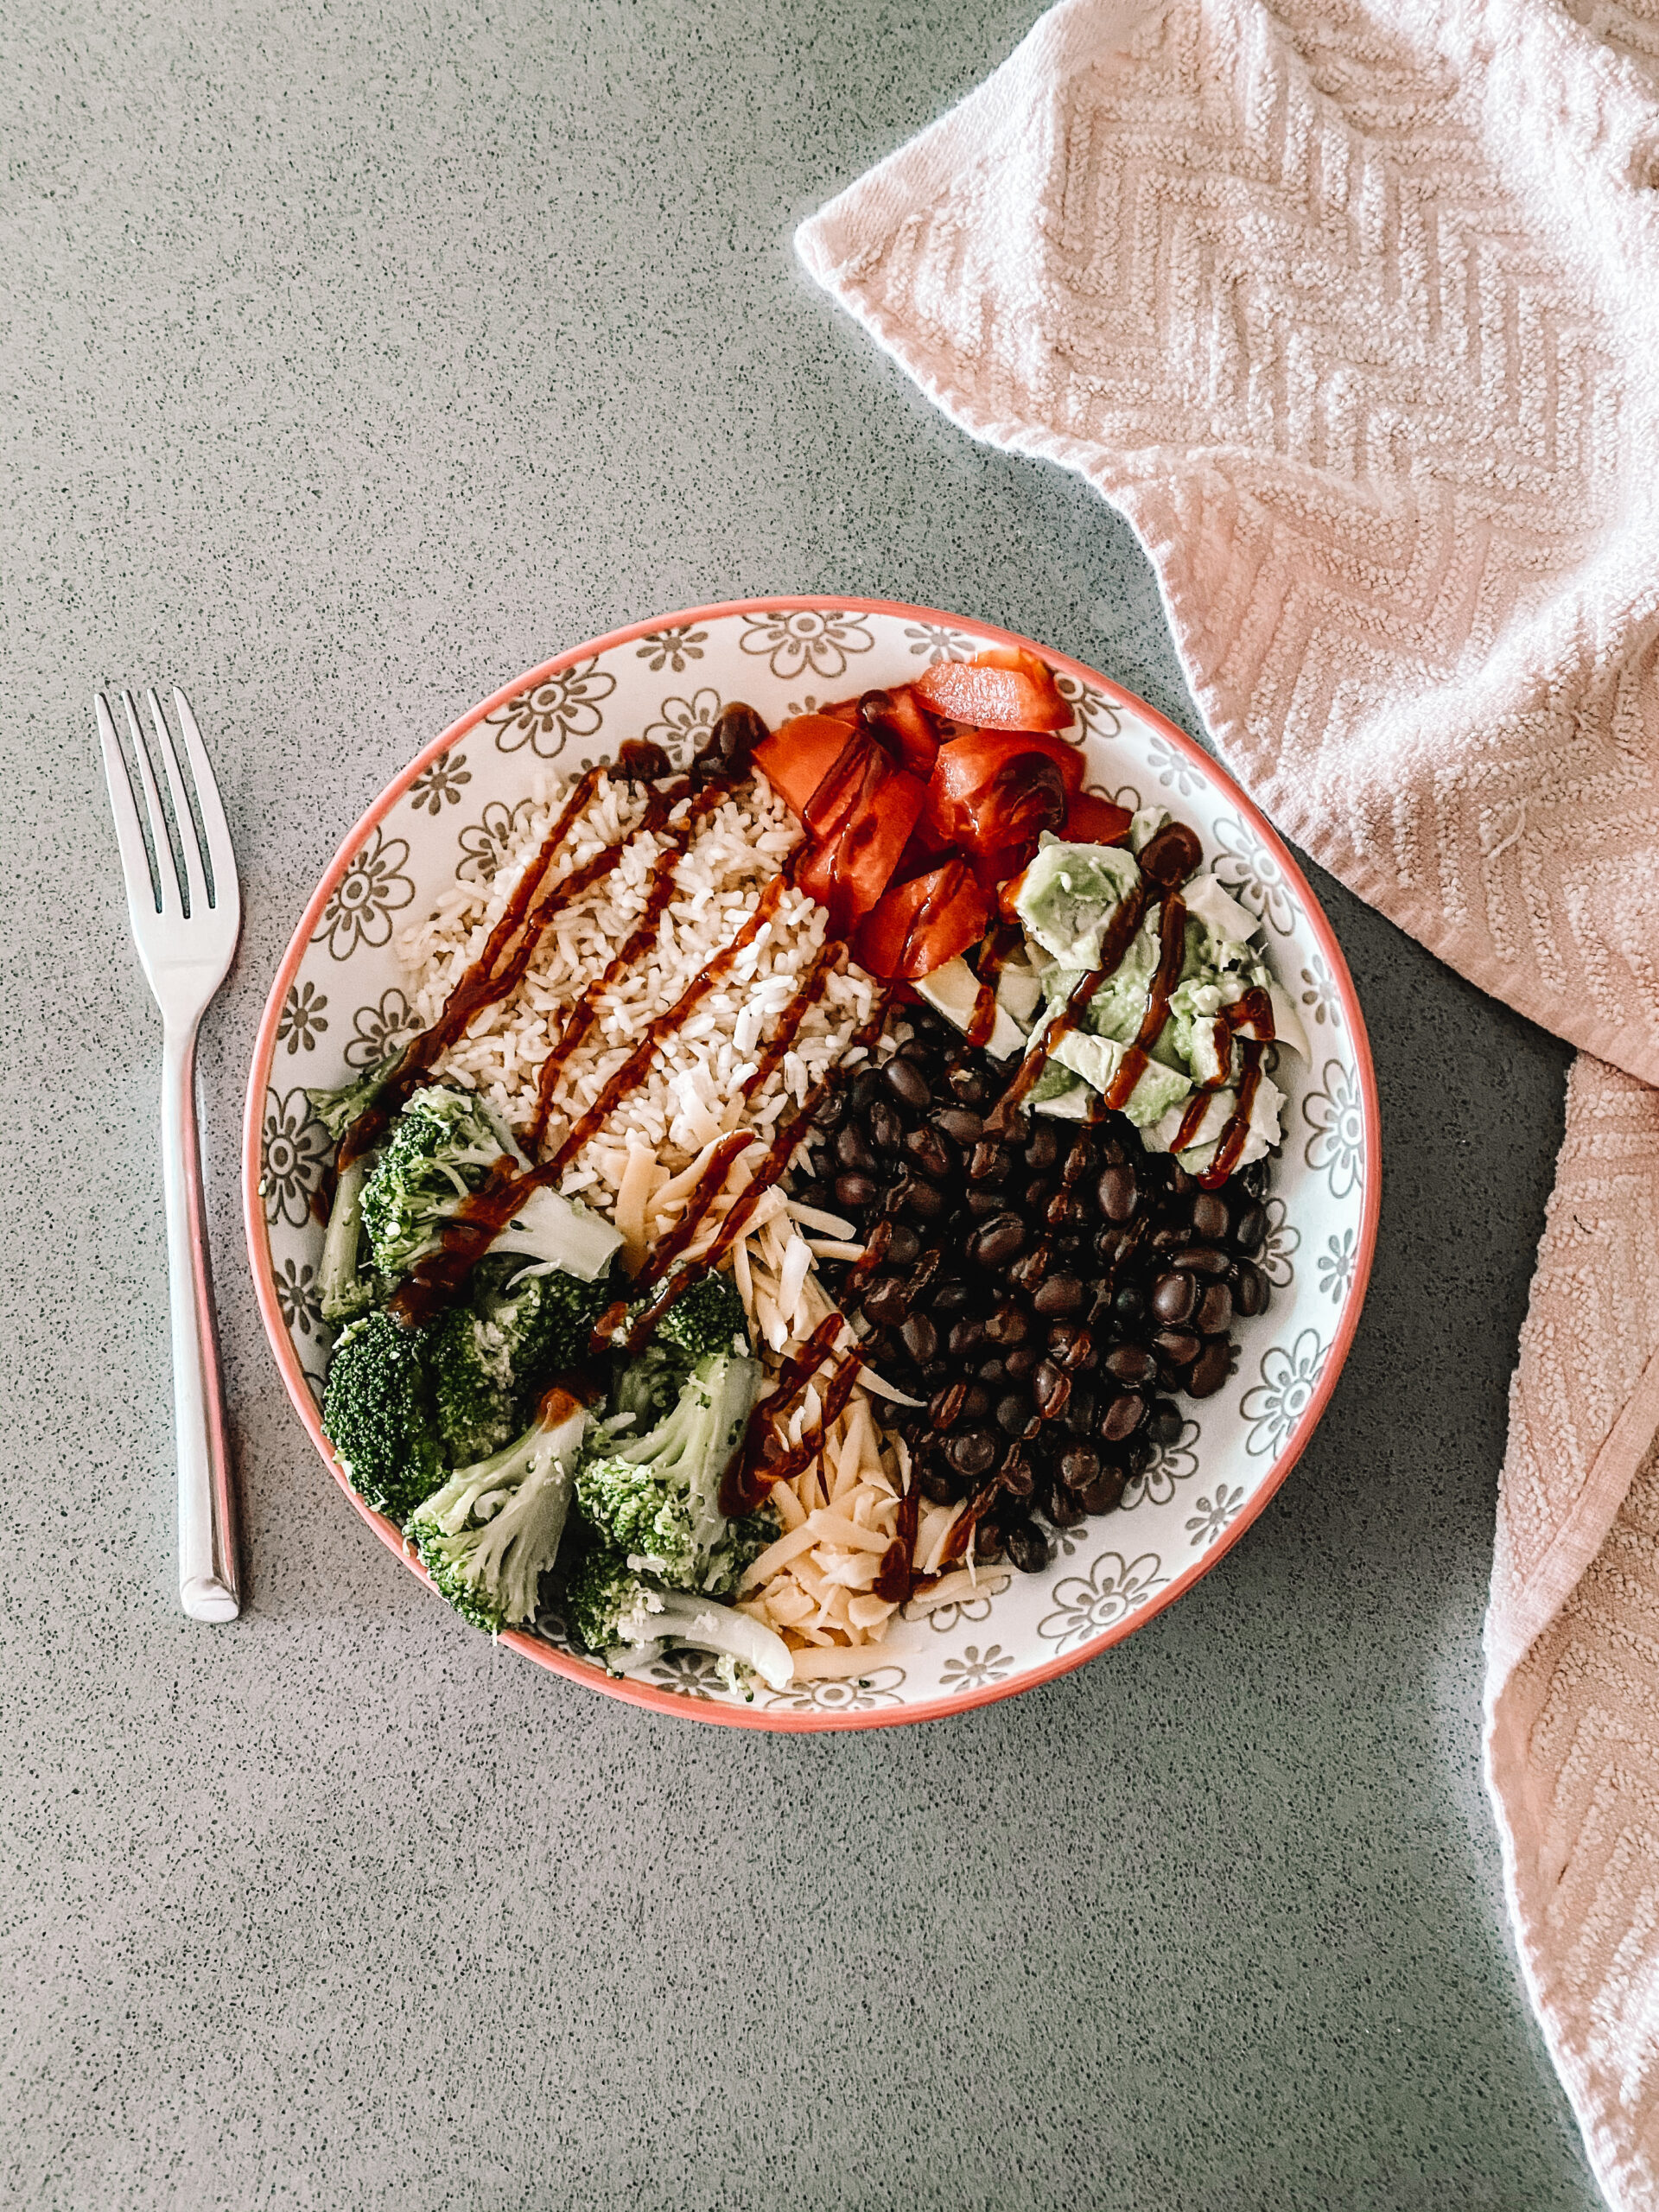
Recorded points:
(338,1002)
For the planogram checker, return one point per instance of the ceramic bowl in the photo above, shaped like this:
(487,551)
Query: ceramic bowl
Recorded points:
(338,1002)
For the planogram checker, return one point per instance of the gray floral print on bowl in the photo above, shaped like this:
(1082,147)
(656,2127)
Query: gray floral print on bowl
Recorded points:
(1318,994)
(1249,871)
(975,1668)
(933,643)
(439,784)
(1279,1243)
(296,1152)
(303,1018)
(843,1692)
(1086,1605)
(361,905)
(672,649)
(296,1295)
(484,842)
(796,639)
(552,712)
(685,724)
(1173,770)
(1337,1265)
(943,1618)
(1094,710)
(691,1673)
(1275,1405)
(379,1027)
(1215,1515)
(1336,1118)
(1170,1463)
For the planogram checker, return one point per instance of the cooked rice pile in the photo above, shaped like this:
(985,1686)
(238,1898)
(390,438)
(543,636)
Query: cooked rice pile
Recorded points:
(814,1584)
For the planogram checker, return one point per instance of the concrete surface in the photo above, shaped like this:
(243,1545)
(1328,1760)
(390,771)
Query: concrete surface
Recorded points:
(360,355)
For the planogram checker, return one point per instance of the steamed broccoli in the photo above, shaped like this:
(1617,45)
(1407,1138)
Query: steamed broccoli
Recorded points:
(378,1413)
(657,1497)
(338,1110)
(612,1612)
(492,1530)
(440,1148)
(344,1286)
(706,1318)
(493,1352)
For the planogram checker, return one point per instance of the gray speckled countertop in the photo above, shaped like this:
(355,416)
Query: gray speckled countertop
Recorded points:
(360,356)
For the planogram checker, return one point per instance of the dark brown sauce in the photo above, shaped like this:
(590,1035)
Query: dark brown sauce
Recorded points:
(936,902)
(896,1577)
(1001,941)
(1230,1145)
(1172,953)
(1255,1009)
(766,1459)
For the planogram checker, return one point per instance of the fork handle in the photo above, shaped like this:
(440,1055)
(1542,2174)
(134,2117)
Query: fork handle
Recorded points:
(207,1573)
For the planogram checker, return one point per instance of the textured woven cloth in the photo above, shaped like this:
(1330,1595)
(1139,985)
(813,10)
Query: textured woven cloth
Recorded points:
(1353,310)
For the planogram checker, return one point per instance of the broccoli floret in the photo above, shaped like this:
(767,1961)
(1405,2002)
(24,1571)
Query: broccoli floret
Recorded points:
(614,1613)
(707,1317)
(344,1286)
(377,1414)
(491,1533)
(338,1110)
(492,1353)
(745,1540)
(440,1148)
(657,1497)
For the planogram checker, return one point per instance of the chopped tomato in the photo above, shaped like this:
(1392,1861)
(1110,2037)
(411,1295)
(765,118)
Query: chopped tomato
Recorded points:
(800,755)
(1003,688)
(1091,820)
(857,844)
(916,926)
(993,793)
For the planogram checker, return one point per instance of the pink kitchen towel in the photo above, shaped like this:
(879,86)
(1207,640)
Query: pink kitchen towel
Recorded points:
(1353,311)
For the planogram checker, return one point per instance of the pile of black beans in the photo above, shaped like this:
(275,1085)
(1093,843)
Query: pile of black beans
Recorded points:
(1046,1288)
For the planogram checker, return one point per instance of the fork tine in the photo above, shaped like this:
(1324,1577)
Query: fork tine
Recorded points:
(181,814)
(167,874)
(221,856)
(129,833)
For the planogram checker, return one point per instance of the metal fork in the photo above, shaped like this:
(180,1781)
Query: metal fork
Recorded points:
(185,932)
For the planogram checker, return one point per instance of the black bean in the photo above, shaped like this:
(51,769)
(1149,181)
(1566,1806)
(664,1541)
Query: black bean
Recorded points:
(1131,1364)
(903,1245)
(976,1405)
(1060,1294)
(1051,1386)
(989,1162)
(887,1130)
(1002,1237)
(1129,1305)
(907,1083)
(1064,1211)
(1214,1365)
(1209,1214)
(1180,1347)
(921,1338)
(951,1297)
(1180,1181)
(1116,1192)
(1031,1269)
(937,1484)
(1122,1416)
(1028,1547)
(812,1192)
(1021,1363)
(853,1150)
(973,1452)
(1072,1345)
(968,1088)
(1012,1412)
(856,1191)
(1078,1418)
(922,1048)
(1164,1422)
(945,1407)
(1062,1506)
(1215,1314)
(1136,1455)
(965,1338)
(1169,1237)
(1081,1157)
(866,1087)
(960,1125)
(928,1151)
(991,1372)
(1250,1290)
(982,1204)
(1201,1260)
(926,1201)
(1250,1227)
(1079,1463)
(1008,1325)
(1102,1492)
(1044,1149)
(1173,1298)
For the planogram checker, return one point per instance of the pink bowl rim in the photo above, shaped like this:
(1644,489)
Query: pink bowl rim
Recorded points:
(669,1701)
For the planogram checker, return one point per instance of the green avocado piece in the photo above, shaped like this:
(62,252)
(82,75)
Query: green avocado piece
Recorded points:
(1097,1059)
(1068,895)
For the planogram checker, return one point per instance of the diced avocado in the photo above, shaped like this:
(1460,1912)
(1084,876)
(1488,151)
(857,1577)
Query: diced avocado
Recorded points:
(1200,1151)
(954,989)
(1097,1059)
(1056,1081)
(1221,914)
(1068,895)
